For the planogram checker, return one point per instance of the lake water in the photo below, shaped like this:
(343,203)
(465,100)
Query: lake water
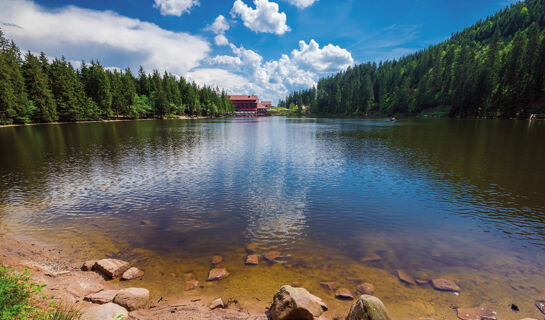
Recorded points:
(458,199)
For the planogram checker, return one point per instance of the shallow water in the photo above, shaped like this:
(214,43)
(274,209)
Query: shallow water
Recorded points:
(461,199)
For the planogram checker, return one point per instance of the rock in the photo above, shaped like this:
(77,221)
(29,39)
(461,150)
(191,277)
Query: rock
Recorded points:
(88,265)
(371,258)
(252,260)
(328,285)
(344,294)
(217,274)
(422,282)
(105,312)
(102,296)
(368,307)
(132,298)
(540,304)
(82,288)
(445,285)
(271,255)
(251,247)
(365,288)
(191,285)
(217,259)
(132,273)
(404,277)
(296,303)
(111,268)
(478,313)
(218,303)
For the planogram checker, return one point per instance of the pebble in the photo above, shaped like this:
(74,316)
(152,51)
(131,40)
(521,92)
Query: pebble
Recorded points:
(344,294)
(217,260)
(191,285)
(218,303)
(132,273)
(217,274)
(365,288)
(252,260)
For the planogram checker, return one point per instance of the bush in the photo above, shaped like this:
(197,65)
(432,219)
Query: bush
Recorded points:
(16,291)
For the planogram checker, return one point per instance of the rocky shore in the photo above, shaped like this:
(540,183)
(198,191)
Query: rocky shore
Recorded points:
(94,287)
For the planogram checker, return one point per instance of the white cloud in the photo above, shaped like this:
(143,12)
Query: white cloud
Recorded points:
(219,26)
(302,3)
(329,59)
(175,7)
(264,18)
(105,35)
(221,40)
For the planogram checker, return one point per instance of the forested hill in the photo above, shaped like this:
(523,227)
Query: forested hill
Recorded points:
(33,89)
(494,68)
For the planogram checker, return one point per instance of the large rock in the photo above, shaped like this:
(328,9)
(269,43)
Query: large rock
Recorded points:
(111,268)
(88,265)
(296,303)
(478,313)
(132,298)
(108,311)
(102,297)
(368,308)
(82,288)
(132,273)
(217,274)
(445,285)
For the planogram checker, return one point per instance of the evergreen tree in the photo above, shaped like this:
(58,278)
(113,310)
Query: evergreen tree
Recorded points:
(37,88)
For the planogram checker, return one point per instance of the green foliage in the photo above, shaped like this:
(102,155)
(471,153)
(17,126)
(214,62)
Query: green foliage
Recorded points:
(16,291)
(495,68)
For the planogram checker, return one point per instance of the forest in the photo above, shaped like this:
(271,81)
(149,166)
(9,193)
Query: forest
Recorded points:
(35,89)
(493,69)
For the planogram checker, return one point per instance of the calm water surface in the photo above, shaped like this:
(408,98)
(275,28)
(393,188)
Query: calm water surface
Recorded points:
(462,199)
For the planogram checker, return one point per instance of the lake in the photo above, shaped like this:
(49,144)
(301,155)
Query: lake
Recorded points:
(457,199)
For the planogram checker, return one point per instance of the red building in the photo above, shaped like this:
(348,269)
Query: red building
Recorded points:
(249,105)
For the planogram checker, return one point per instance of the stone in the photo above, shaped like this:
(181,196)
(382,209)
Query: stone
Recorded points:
(478,313)
(540,305)
(422,282)
(365,288)
(111,268)
(404,277)
(132,298)
(132,273)
(371,258)
(217,274)
(296,303)
(445,285)
(328,285)
(344,294)
(271,255)
(218,303)
(105,312)
(217,259)
(102,297)
(251,247)
(368,307)
(82,288)
(88,265)
(252,260)
(191,285)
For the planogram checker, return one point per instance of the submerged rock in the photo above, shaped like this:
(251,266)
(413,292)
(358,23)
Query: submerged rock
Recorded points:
(365,288)
(217,274)
(102,296)
(132,273)
(111,268)
(251,247)
(271,255)
(132,298)
(296,303)
(191,285)
(422,282)
(217,260)
(328,285)
(218,303)
(88,265)
(371,258)
(188,276)
(478,313)
(445,285)
(105,311)
(344,294)
(368,307)
(252,260)
(404,277)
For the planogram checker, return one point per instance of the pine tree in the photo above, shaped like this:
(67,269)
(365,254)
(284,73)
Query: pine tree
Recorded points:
(37,88)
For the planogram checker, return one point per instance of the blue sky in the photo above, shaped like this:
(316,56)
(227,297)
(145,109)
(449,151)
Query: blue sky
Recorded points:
(266,47)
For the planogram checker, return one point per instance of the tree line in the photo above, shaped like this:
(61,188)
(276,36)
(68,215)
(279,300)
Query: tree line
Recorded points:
(493,69)
(34,89)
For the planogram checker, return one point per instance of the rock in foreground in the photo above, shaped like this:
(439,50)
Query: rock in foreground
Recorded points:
(88,265)
(102,296)
(105,311)
(478,313)
(111,268)
(445,285)
(132,273)
(132,298)
(296,303)
(368,308)
(217,274)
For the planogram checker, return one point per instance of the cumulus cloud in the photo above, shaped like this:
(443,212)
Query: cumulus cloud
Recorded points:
(328,59)
(89,34)
(175,7)
(302,3)
(221,40)
(219,26)
(264,18)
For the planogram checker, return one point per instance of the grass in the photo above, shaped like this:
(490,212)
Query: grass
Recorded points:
(18,299)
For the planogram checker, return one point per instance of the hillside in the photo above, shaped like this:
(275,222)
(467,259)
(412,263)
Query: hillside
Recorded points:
(495,68)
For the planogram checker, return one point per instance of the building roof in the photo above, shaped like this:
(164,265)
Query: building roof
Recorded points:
(245,98)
